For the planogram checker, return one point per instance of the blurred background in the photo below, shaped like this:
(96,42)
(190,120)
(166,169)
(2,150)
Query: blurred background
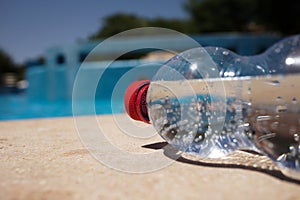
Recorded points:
(43,43)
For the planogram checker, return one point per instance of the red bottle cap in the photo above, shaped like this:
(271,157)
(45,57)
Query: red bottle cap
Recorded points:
(135,100)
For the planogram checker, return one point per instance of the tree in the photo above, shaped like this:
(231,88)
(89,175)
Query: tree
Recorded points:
(120,22)
(280,16)
(245,15)
(206,16)
(221,15)
(5,61)
(180,25)
(7,65)
(117,23)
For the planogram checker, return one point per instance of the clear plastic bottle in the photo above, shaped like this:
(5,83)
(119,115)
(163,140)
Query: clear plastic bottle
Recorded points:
(210,101)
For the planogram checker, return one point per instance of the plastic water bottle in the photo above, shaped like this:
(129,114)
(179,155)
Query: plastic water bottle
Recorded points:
(210,102)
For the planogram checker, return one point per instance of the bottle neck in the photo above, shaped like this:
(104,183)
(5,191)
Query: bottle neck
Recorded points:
(141,103)
(135,100)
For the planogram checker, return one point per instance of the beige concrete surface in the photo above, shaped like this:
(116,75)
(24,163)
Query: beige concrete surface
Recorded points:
(45,159)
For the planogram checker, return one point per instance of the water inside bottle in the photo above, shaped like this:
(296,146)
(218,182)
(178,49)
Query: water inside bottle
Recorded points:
(213,117)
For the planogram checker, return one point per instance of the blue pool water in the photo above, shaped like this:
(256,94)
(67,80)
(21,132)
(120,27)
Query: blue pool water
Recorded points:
(19,106)
(49,94)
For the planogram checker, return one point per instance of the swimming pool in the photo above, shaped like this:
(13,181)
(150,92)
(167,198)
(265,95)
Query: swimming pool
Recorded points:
(19,106)
(50,86)
(48,95)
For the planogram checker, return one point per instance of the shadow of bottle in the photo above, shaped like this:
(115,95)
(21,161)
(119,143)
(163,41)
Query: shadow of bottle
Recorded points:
(249,160)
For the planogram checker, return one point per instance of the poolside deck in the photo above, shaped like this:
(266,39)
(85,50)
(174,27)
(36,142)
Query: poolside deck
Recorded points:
(44,159)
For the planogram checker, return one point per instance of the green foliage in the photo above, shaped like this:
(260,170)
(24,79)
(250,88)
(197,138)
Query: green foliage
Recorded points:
(217,16)
(8,66)
(221,15)
(280,16)
(245,15)
(119,22)
(6,62)
(174,24)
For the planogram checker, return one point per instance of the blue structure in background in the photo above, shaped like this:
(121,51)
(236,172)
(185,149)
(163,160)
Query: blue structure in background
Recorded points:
(50,85)
(55,80)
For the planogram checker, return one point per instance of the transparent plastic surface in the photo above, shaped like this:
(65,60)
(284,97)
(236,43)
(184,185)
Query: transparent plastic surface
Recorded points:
(210,102)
